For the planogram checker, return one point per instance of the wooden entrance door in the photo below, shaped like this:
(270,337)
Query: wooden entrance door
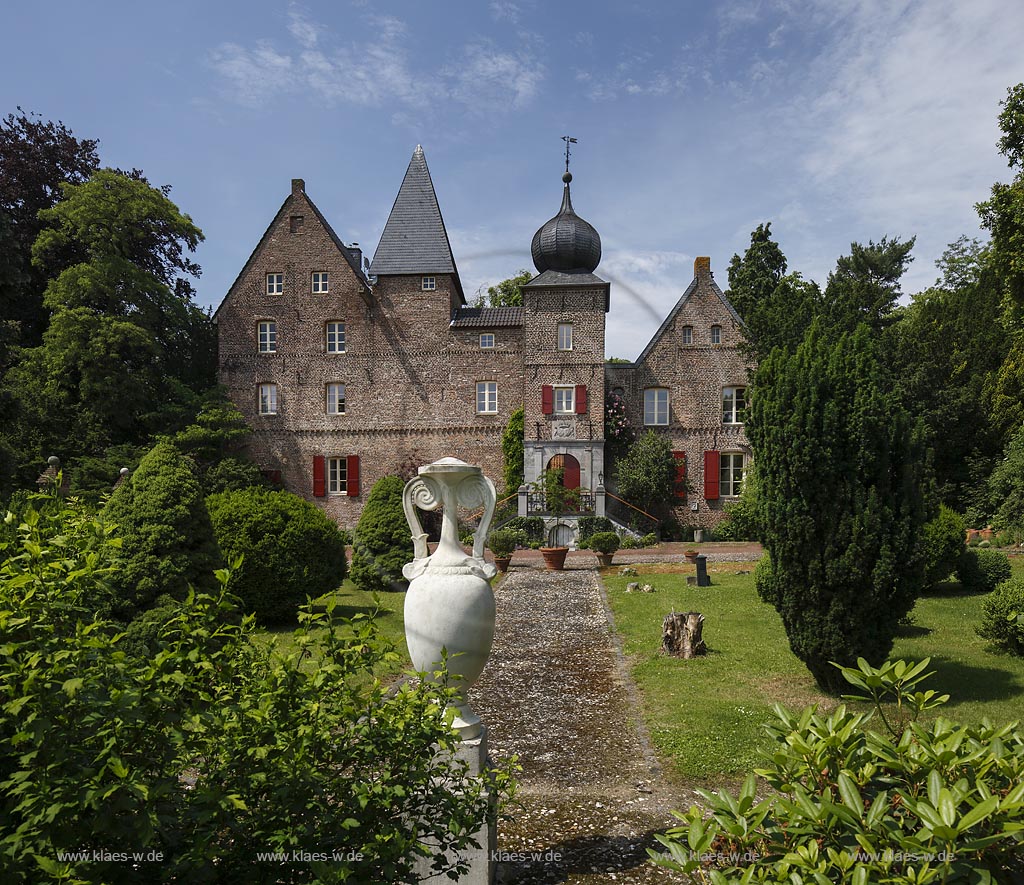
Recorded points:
(570,468)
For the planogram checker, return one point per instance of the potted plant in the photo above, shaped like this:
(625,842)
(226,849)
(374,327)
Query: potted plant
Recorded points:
(502,543)
(558,501)
(691,555)
(604,544)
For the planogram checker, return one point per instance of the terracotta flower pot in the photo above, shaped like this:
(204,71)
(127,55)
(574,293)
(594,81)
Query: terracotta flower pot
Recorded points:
(501,563)
(605,559)
(554,557)
(691,556)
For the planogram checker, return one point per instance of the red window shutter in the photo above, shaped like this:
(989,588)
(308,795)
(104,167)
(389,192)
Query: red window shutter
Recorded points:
(352,470)
(319,480)
(711,466)
(680,458)
(547,399)
(581,399)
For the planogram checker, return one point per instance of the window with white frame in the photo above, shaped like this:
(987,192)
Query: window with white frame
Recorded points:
(730,474)
(487,341)
(337,476)
(428,284)
(268,399)
(335,337)
(687,335)
(565,400)
(275,283)
(320,282)
(335,399)
(656,405)
(734,405)
(716,334)
(486,397)
(268,336)
(565,336)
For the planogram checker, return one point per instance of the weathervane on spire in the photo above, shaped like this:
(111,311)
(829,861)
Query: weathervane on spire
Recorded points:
(568,141)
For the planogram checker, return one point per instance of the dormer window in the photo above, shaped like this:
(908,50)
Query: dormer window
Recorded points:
(487,341)
(716,334)
(428,284)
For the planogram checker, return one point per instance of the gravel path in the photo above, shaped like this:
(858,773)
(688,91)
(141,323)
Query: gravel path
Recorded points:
(556,693)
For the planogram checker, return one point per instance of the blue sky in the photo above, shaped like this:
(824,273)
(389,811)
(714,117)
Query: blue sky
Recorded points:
(835,120)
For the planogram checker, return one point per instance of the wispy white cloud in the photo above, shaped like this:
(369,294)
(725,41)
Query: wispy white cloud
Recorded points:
(253,74)
(505,10)
(377,72)
(486,77)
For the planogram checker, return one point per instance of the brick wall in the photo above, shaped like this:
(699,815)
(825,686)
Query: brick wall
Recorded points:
(695,375)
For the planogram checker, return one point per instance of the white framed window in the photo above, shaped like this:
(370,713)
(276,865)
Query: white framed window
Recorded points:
(320,282)
(732,466)
(656,405)
(565,336)
(487,341)
(734,405)
(275,283)
(268,399)
(428,284)
(335,337)
(687,335)
(335,399)
(565,400)
(716,334)
(487,397)
(268,336)
(337,476)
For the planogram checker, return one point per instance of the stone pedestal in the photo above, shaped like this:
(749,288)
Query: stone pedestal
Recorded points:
(481,860)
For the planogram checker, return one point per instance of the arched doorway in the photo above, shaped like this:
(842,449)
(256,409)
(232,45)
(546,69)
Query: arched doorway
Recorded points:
(560,535)
(570,468)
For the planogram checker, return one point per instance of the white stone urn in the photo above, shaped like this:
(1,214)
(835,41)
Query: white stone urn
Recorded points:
(449,605)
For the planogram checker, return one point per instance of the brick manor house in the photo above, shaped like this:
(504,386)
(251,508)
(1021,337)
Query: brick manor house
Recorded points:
(348,370)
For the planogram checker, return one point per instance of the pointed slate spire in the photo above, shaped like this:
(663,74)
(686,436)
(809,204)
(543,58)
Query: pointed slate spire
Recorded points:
(415,240)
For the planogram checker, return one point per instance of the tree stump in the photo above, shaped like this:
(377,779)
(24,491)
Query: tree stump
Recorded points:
(681,634)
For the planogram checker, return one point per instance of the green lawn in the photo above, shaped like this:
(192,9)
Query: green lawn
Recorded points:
(351,602)
(706,716)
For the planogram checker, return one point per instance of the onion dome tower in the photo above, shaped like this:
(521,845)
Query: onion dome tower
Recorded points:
(566,243)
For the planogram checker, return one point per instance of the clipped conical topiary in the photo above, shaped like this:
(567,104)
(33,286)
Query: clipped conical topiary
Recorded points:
(381,543)
(168,541)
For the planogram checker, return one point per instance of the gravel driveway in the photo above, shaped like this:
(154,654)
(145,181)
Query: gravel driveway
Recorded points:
(556,693)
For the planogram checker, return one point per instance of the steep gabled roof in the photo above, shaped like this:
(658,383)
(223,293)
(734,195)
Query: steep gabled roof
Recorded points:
(415,240)
(487,317)
(667,323)
(298,186)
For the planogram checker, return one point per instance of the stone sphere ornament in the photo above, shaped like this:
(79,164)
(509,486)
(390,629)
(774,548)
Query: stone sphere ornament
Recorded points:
(449,606)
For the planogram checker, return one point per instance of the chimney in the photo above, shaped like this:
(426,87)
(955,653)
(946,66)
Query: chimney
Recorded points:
(357,253)
(298,187)
(702,266)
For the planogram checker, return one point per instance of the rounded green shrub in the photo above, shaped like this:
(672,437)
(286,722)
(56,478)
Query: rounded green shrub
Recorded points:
(167,539)
(604,542)
(532,528)
(649,540)
(591,525)
(1002,619)
(979,571)
(944,542)
(502,542)
(290,550)
(381,543)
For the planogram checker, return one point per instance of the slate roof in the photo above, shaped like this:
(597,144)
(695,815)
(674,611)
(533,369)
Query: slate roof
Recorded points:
(487,317)
(415,240)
